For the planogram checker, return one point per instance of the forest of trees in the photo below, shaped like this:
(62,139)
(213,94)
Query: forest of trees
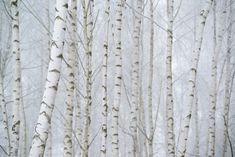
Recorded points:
(117,78)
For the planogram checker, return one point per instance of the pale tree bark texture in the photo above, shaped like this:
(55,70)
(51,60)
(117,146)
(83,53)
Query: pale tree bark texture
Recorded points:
(218,38)
(15,136)
(53,75)
(69,101)
(200,24)
(87,6)
(117,79)
(104,130)
(135,79)
(228,81)
(169,94)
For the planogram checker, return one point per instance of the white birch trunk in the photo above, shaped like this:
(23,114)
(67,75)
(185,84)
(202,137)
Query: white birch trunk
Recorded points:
(78,117)
(117,79)
(227,82)
(197,151)
(87,30)
(192,78)
(14,151)
(24,142)
(45,62)
(135,78)
(143,140)
(104,132)
(150,83)
(169,95)
(53,75)
(213,95)
(72,30)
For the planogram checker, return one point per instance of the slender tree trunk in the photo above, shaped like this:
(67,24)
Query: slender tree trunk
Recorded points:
(227,81)
(150,83)
(78,117)
(72,30)
(14,152)
(143,140)
(135,78)
(45,63)
(218,38)
(87,30)
(117,79)
(23,150)
(197,151)
(104,132)
(169,95)
(192,78)
(53,75)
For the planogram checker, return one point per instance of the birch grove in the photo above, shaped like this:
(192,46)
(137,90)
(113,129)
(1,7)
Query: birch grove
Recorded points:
(181,150)
(213,95)
(124,78)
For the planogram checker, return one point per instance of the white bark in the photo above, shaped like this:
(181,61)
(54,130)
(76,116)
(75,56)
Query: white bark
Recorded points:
(117,79)
(53,75)
(45,63)
(78,117)
(72,30)
(104,132)
(192,78)
(150,83)
(227,82)
(135,78)
(213,95)
(169,95)
(24,142)
(14,151)
(143,140)
(87,31)
(197,151)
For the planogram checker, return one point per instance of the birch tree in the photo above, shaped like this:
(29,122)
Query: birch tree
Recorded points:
(104,133)
(150,83)
(197,147)
(72,11)
(53,75)
(17,79)
(227,81)
(169,95)
(118,77)
(45,62)
(135,78)
(143,138)
(87,32)
(218,38)
(192,78)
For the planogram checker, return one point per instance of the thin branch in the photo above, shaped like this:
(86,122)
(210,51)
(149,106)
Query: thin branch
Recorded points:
(5,7)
